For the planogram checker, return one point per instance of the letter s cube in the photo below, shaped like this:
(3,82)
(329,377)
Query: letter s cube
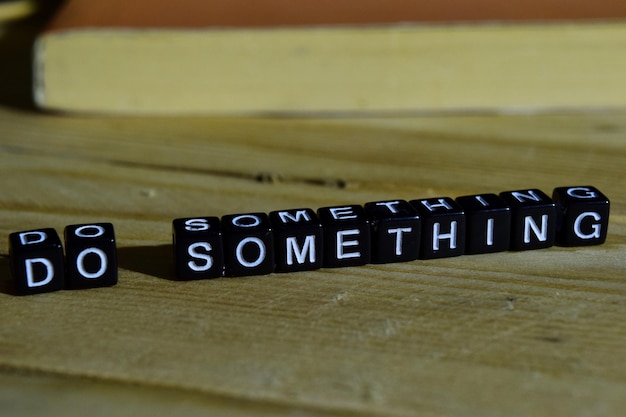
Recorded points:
(198,248)
(37,261)
(583,216)
(90,255)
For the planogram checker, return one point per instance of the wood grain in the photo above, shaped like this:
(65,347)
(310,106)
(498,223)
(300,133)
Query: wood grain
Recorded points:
(527,333)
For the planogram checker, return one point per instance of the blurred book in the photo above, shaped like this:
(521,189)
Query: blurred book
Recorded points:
(322,56)
(16,9)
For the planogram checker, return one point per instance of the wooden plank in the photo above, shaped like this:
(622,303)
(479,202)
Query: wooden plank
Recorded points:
(527,333)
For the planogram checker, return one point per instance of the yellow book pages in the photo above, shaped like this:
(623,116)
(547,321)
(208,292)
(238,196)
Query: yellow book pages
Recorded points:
(103,59)
(16,9)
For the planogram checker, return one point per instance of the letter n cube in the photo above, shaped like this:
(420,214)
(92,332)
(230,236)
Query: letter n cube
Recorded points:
(533,219)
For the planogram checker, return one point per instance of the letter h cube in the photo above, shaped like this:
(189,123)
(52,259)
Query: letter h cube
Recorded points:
(443,227)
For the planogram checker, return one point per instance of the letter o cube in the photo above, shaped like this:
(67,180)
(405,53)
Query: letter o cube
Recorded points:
(37,261)
(248,244)
(91,255)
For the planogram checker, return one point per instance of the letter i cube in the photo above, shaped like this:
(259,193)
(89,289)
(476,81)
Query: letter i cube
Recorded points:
(533,219)
(37,261)
(198,248)
(443,227)
(488,223)
(583,216)
(248,244)
(346,236)
(297,240)
(90,255)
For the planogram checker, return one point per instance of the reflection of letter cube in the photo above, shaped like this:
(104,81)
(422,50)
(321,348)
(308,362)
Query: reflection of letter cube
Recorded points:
(248,244)
(297,240)
(533,219)
(37,261)
(346,236)
(395,231)
(488,223)
(443,227)
(583,216)
(198,248)
(90,255)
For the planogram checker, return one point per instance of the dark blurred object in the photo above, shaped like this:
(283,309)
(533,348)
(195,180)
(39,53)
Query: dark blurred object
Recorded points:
(20,22)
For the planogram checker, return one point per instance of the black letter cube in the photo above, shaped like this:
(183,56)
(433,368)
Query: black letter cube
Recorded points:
(198,248)
(346,236)
(395,231)
(90,255)
(488,223)
(297,240)
(248,244)
(37,261)
(584,216)
(443,227)
(533,219)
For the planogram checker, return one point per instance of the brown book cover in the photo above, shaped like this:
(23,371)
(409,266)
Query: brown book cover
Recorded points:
(285,13)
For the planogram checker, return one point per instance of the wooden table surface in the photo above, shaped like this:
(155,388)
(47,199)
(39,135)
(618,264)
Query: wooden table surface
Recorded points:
(536,333)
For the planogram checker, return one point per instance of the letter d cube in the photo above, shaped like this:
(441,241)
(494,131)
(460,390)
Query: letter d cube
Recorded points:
(36,261)
(91,255)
